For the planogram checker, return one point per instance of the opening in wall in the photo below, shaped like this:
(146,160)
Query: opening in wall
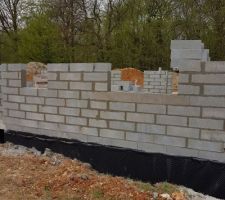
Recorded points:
(36,75)
(175,81)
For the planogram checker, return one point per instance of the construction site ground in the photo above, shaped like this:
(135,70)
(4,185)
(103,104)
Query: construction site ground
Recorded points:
(26,174)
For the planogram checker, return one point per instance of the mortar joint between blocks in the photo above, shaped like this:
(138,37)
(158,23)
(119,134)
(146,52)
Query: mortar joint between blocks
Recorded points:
(203,65)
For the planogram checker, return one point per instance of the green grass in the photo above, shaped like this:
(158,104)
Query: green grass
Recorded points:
(166,187)
(163,187)
(97,193)
(145,187)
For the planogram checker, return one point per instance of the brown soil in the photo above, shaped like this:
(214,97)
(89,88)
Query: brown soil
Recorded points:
(31,177)
(132,74)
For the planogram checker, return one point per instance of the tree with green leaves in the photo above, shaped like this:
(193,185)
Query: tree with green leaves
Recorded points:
(41,41)
(127,33)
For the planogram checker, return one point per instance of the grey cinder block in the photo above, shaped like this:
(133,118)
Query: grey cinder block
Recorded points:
(54,118)
(214,90)
(57,85)
(186,44)
(81,67)
(183,78)
(170,141)
(192,54)
(102,87)
(28,107)
(35,100)
(48,126)
(6,90)
(35,116)
(207,101)
(26,91)
(112,133)
(171,120)
(139,137)
(215,156)
(95,76)
(16,98)
(206,123)
(69,111)
(28,123)
(81,86)
(180,151)
(43,92)
(97,123)
(208,78)
(55,67)
(184,111)
(76,121)
(18,114)
(214,113)
(183,132)
(140,117)
(98,105)
(89,113)
(54,102)
(10,75)
(67,94)
(48,109)
(70,76)
(206,145)
(215,66)
(122,106)
(52,76)
(118,125)
(15,83)
(89,131)
(69,128)
(189,89)
(151,128)
(151,108)
(102,67)
(151,148)
(76,103)
(186,65)
(14,106)
(112,115)
(213,135)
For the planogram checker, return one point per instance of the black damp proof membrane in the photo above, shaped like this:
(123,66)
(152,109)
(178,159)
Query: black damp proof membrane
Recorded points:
(203,176)
(2,140)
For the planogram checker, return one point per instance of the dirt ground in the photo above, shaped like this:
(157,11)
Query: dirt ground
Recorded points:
(26,174)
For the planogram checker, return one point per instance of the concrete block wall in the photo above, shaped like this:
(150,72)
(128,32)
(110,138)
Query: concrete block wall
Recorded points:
(119,85)
(1,108)
(79,105)
(115,77)
(187,50)
(158,82)
(155,82)
(204,79)
(58,108)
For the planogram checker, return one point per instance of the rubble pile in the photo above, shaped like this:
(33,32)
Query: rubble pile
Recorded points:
(36,75)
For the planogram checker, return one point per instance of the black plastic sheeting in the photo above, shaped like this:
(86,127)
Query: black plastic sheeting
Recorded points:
(1,136)
(201,175)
